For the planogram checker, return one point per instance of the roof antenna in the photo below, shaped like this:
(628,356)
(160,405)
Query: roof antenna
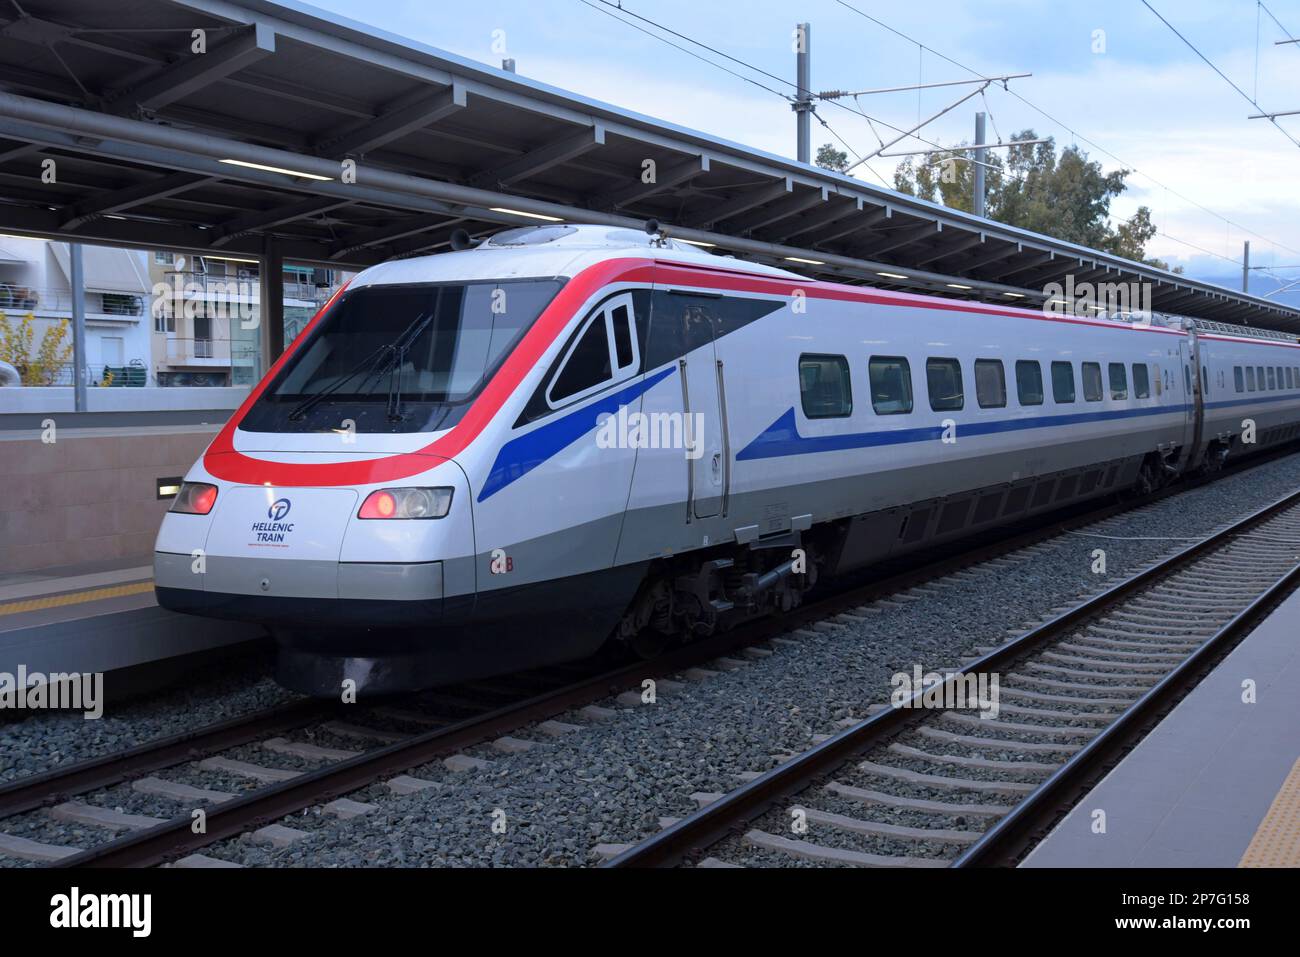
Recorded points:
(460,240)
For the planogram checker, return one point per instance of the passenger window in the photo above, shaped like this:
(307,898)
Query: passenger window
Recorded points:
(1238,379)
(1160,380)
(588,364)
(1187,380)
(1092,381)
(1290,382)
(1062,382)
(1259,377)
(1029,382)
(990,383)
(943,379)
(591,362)
(1250,378)
(1141,381)
(824,387)
(891,385)
(1272,379)
(1118,381)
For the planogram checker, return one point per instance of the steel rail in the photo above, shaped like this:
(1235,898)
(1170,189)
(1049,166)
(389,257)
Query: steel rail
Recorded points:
(708,825)
(38,790)
(145,847)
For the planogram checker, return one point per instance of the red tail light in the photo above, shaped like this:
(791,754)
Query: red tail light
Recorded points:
(195,498)
(378,505)
(407,503)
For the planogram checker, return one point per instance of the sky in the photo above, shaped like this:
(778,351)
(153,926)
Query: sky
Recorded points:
(1111,76)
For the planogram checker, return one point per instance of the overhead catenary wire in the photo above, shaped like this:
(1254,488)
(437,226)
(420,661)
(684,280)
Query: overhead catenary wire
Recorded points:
(1244,95)
(609,7)
(1073,132)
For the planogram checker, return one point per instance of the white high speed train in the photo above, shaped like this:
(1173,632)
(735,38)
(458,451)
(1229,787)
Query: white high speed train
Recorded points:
(504,456)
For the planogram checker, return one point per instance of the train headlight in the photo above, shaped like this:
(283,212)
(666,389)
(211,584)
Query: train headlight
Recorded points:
(406,503)
(195,498)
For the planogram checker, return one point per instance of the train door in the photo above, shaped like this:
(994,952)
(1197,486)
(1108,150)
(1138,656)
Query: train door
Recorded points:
(1189,356)
(691,320)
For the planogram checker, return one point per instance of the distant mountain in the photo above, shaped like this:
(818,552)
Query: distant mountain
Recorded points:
(1261,284)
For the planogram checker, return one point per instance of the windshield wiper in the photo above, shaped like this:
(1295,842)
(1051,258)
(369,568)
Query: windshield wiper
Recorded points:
(401,346)
(370,362)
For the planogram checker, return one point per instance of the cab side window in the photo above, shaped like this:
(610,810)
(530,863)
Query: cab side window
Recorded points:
(605,351)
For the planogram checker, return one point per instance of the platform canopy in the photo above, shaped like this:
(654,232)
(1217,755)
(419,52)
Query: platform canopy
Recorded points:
(242,149)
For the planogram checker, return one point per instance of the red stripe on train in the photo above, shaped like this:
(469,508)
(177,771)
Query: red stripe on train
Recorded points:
(225,462)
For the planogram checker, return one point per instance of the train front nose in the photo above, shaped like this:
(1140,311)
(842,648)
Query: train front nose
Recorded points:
(352,582)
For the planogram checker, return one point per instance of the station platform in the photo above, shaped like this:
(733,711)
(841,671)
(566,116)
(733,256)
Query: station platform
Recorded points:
(1216,784)
(99,617)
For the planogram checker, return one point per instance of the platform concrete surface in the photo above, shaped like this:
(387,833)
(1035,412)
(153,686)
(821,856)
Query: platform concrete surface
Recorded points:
(99,617)
(1194,792)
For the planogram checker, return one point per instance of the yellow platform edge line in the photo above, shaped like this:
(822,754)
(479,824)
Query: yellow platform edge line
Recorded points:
(1277,839)
(74,598)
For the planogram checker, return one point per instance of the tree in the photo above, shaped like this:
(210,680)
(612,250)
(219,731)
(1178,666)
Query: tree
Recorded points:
(828,157)
(16,349)
(1067,197)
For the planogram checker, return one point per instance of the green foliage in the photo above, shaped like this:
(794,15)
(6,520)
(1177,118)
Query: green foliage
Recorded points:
(1031,187)
(828,157)
(16,349)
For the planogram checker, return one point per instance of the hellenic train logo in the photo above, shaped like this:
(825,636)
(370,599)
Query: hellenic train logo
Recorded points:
(276,531)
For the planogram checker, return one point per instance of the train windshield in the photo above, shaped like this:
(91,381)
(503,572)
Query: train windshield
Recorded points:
(396,359)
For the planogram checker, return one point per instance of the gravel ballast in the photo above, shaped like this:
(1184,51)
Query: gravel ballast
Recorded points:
(611,782)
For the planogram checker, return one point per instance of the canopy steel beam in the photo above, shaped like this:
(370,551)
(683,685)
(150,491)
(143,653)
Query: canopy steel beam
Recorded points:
(903,237)
(743,203)
(248,45)
(395,123)
(542,158)
(832,213)
(672,177)
(1032,264)
(386,234)
(989,258)
(118,200)
(853,227)
(783,209)
(270,218)
(953,249)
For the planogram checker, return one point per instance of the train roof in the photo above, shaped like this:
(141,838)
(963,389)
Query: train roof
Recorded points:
(547,251)
(564,250)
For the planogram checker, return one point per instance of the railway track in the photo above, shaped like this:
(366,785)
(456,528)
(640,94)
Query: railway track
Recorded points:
(451,720)
(938,786)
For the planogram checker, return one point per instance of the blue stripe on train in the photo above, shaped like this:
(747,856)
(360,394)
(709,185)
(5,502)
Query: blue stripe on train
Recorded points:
(520,456)
(782,437)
